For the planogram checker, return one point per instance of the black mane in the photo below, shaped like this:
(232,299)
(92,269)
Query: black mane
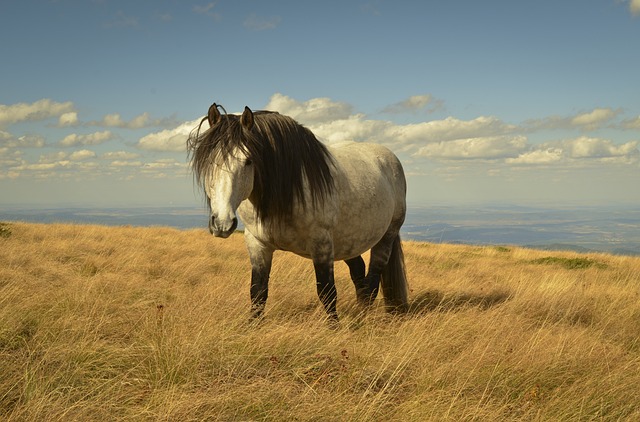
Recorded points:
(285,155)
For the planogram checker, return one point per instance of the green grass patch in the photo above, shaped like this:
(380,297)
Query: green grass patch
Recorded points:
(568,263)
(5,230)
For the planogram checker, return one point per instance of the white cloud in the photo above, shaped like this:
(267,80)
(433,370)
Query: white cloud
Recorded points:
(139,121)
(9,158)
(413,104)
(333,122)
(631,123)
(167,163)
(475,148)
(402,137)
(119,155)
(313,111)
(30,141)
(113,120)
(121,163)
(77,165)
(164,168)
(453,129)
(68,119)
(25,141)
(580,150)
(88,139)
(585,147)
(262,23)
(82,154)
(39,110)
(56,165)
(353,128)
(593,119)
(9,175)
(170,139)
(41,166)
(540,156)
(53,157)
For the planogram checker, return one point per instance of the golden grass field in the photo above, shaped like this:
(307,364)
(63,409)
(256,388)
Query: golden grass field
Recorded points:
(124,323)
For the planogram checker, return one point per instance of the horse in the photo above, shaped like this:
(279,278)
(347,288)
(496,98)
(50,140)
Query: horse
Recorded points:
(293,193)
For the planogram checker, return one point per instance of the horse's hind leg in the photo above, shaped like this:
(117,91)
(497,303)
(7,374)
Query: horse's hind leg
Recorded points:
(380,254)
(356,268)
(357,271)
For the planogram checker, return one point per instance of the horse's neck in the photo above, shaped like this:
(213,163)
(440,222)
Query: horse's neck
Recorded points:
(247,213)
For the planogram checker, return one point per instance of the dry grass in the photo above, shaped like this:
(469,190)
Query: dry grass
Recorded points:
(126,323)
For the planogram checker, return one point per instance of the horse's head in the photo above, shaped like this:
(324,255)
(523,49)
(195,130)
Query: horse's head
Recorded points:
(230,178)
(265,157)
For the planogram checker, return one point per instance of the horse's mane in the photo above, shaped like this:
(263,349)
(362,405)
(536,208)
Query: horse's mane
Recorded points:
(285,155)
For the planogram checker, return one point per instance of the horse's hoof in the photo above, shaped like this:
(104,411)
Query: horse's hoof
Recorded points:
(332,321)
(256,318)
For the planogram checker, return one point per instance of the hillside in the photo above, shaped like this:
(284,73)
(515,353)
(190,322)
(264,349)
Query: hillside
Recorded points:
(124,323)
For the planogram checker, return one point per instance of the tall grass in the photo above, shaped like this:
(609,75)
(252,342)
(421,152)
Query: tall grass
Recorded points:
(127,323)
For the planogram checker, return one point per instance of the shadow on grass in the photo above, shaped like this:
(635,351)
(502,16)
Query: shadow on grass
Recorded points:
(437,301)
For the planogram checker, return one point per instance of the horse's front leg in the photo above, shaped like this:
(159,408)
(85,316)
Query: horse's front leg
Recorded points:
(325,282)
(261,257)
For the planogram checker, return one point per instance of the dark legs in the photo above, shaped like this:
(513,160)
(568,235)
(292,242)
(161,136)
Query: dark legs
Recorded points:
(356,268)
(357,271)
(367,284)
(325,281)
(367,287)
(325,284)
(259,290)
(380,254)
(261,257)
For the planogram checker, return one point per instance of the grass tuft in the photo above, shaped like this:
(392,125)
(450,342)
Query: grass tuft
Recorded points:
(568,263)
(5,230)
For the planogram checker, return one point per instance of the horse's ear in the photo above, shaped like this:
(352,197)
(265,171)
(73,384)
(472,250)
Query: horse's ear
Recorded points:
(247,118)
(213,115)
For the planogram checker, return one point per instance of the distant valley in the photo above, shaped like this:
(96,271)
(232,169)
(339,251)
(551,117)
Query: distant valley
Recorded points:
(583,229)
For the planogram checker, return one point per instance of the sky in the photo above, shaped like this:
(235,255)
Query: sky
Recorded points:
(494,101)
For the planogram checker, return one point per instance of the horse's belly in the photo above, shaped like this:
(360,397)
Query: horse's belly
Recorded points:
(359,228)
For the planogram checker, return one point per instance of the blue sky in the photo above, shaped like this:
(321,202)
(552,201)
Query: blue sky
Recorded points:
(522,102)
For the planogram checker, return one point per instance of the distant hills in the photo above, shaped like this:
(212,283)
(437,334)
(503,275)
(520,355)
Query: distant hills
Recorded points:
(613,230)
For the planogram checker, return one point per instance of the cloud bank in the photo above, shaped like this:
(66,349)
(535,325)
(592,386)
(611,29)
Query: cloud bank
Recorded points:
(88,139)
(39,110)
(449,143)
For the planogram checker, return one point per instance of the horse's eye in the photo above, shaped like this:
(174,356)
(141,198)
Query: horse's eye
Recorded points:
(248,162)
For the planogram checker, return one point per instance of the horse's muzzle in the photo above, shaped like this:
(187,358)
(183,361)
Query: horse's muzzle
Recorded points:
(219,229)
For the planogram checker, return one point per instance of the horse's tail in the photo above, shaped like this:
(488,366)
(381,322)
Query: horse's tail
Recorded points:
(394,280)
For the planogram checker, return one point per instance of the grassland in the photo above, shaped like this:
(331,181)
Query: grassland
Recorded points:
(129,323)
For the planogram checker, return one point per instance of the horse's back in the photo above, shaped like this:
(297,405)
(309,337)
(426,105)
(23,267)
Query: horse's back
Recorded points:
(364,168)
(371,190)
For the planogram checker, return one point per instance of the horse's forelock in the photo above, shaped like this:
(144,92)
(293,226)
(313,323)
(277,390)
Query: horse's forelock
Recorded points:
(285,155)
